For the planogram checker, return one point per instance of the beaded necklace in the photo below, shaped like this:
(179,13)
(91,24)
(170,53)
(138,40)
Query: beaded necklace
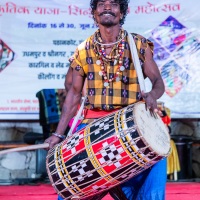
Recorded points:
(118,57)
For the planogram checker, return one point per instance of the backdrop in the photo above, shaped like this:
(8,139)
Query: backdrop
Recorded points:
(38,36)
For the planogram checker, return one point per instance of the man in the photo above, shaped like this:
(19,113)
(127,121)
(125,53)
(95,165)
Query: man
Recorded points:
(105,60)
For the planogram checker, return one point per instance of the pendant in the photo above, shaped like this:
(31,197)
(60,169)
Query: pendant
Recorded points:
(122,68)
(117,79)
(100,73)
(115,62)
(98,62)
(106,84)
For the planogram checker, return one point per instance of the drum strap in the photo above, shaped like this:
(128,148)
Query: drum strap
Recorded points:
(136,62)
(78,116)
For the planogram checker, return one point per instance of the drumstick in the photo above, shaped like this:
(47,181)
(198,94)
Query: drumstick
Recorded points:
(32,147)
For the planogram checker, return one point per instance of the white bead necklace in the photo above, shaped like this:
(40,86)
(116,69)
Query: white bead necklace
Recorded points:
(113,43)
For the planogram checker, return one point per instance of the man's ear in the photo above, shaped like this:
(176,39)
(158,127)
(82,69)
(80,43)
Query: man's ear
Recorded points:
(95,16)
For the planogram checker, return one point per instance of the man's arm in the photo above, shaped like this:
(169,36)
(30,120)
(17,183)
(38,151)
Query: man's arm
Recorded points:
(68,79)
(152,72)
(69,108)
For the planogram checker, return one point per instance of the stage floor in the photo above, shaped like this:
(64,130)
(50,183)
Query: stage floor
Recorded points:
(174,191)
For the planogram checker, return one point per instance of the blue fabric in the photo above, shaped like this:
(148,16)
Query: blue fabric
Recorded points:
(149,185)
(50,101)
(60,198)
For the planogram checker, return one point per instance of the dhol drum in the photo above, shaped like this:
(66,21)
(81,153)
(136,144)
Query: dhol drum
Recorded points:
(107,152)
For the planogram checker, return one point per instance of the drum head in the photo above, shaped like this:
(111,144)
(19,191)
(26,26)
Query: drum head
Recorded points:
(153,130)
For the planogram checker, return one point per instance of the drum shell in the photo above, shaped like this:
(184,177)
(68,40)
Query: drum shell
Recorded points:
(105,153)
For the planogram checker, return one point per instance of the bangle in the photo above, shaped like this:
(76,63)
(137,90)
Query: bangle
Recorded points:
(59,136)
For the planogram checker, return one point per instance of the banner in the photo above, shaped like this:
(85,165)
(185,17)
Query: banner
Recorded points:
(37,37)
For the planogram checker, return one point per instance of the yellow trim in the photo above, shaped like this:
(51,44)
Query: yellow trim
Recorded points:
(59,170)
(95,161)
(138,154)
(125,148)
(63,178)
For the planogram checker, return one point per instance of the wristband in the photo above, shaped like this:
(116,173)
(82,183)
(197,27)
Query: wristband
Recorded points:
(59,136)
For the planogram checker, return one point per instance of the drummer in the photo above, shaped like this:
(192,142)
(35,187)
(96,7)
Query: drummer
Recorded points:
(105,59)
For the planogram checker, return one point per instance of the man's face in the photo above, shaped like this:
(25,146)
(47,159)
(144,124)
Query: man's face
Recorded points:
(107,13)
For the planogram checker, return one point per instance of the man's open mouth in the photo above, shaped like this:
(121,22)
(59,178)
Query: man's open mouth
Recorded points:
(107,14)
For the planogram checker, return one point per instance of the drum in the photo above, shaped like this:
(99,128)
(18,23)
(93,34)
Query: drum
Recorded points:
(107,152)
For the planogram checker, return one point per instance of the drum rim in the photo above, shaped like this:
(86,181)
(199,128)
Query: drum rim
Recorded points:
(49,172)
(143,139)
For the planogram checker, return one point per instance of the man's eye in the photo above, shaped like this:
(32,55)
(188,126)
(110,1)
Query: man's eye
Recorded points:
(115,5)
(112,5)
(100,5)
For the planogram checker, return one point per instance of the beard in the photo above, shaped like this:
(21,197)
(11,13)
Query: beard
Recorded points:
(107,23)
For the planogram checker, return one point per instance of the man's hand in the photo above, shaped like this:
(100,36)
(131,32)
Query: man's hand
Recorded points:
(151,103)
(52,140)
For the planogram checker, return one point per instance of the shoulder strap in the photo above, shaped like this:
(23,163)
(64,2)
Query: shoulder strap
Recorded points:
(136,61)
